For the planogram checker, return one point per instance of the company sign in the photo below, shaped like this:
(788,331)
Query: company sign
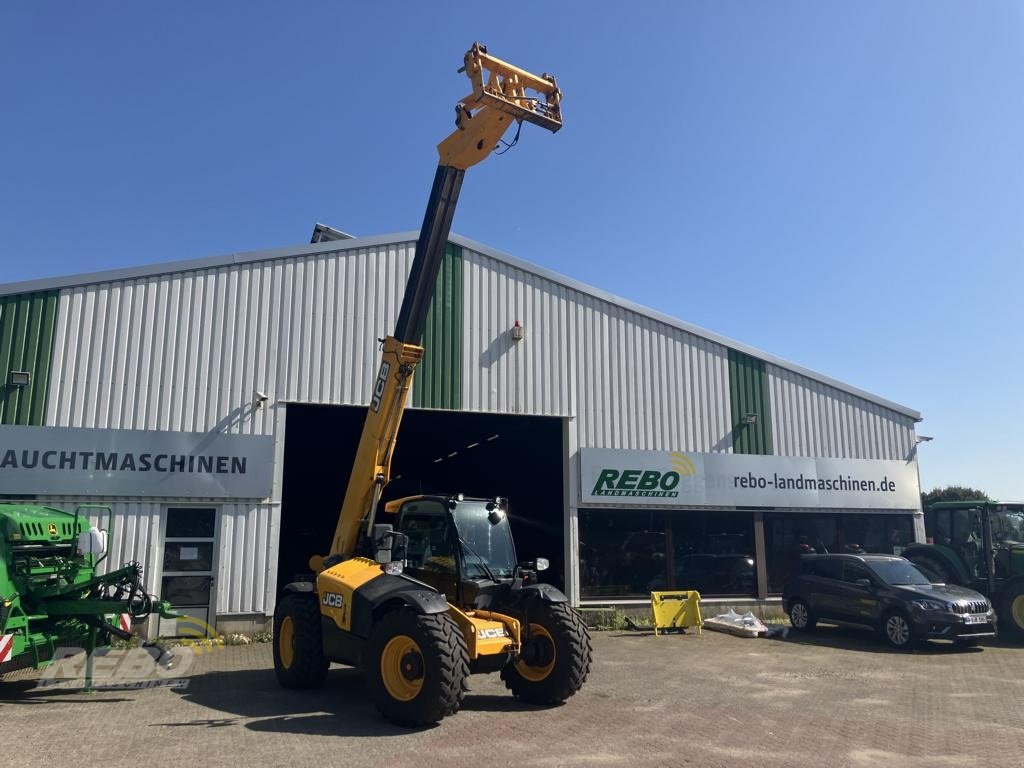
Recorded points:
(671,478)
(121,462)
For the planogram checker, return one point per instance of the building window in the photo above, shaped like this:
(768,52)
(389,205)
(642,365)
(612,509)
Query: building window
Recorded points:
(630,553)
(790,535)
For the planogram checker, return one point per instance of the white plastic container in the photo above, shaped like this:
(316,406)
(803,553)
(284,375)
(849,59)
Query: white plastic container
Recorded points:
(92,542)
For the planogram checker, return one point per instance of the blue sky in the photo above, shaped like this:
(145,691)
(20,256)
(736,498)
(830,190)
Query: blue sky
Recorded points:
(840,184)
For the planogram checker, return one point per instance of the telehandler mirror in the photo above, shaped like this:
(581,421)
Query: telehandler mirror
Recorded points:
(389,548)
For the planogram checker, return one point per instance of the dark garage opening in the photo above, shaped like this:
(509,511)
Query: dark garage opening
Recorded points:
(481,454)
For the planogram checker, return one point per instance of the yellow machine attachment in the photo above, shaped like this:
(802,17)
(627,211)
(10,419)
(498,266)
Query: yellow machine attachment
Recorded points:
(482,118)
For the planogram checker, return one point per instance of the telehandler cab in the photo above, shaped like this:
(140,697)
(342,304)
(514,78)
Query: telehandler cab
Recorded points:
(465,604)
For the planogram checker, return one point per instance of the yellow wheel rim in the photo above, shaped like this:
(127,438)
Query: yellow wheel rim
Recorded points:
(536,674)
(401,668)
(1017,611)
(286,642)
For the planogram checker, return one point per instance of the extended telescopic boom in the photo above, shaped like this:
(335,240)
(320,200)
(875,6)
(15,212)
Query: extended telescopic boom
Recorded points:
(502,94)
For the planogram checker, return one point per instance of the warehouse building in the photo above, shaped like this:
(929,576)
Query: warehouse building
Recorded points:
(214,406)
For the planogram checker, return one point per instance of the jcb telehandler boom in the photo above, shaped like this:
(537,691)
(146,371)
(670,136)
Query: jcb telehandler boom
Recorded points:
(471,607)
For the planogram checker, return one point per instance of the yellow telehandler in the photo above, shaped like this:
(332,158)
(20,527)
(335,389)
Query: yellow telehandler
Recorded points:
(437,594)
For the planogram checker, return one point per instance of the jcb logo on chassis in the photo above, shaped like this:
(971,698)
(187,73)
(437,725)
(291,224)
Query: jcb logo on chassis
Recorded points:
(490,634)
(333,600)
(378,386)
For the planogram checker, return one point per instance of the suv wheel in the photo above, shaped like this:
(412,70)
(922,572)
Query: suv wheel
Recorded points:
(898,632)
(800,616)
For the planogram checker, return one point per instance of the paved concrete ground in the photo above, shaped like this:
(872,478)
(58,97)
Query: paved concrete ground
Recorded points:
(838,698)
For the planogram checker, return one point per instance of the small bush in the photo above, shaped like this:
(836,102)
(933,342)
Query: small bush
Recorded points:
(263,637)
(606,618)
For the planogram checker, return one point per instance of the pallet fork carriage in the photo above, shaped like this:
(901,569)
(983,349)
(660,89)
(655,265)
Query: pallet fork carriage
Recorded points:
(465,604)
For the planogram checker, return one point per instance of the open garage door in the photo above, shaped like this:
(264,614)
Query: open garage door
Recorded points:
(478,454)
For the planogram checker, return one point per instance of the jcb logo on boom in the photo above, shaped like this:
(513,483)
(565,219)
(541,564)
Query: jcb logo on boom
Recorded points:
(333,600)
(378,386)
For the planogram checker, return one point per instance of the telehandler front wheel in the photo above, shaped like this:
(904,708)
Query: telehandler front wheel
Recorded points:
(555,658)
(416,667)
(298,647)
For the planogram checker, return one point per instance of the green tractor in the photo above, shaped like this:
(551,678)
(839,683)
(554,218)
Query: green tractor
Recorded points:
(51,595)
(980,545)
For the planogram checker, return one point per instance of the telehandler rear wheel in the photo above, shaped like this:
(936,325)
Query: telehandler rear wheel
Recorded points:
(298,647)
(416,667)
(555,658)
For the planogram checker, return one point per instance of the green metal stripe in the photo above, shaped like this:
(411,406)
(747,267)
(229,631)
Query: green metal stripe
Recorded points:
(748,393)
(48,330)
(27,326)
(438,380)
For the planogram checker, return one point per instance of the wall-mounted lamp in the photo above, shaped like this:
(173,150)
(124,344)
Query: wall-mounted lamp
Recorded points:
(258,399)
(923,439)
(750,419)
(19,378)
(518,332)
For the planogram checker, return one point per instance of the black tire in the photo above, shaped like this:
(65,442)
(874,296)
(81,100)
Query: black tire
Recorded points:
(1011,612)
(299,659)
(427,667)
(898,632)
(555,658)
(800,616)
(934,569)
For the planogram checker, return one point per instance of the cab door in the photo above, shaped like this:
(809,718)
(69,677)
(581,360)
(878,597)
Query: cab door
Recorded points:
(431,555)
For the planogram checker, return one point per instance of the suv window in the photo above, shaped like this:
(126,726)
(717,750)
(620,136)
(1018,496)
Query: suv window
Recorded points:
(853,571)
(828,569)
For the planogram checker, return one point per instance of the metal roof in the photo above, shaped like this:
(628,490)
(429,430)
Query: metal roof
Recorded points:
(151,270)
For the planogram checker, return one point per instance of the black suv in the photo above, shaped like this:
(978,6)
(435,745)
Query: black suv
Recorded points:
(887,594)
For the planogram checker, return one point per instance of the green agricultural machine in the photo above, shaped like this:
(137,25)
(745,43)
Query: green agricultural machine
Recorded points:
(51,594)
(980,545)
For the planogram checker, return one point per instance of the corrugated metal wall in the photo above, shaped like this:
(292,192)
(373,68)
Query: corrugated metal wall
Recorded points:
(630,381)
(26,344)
(814,419)
(187,351)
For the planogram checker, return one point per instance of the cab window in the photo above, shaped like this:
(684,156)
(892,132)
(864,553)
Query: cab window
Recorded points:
(430,547)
